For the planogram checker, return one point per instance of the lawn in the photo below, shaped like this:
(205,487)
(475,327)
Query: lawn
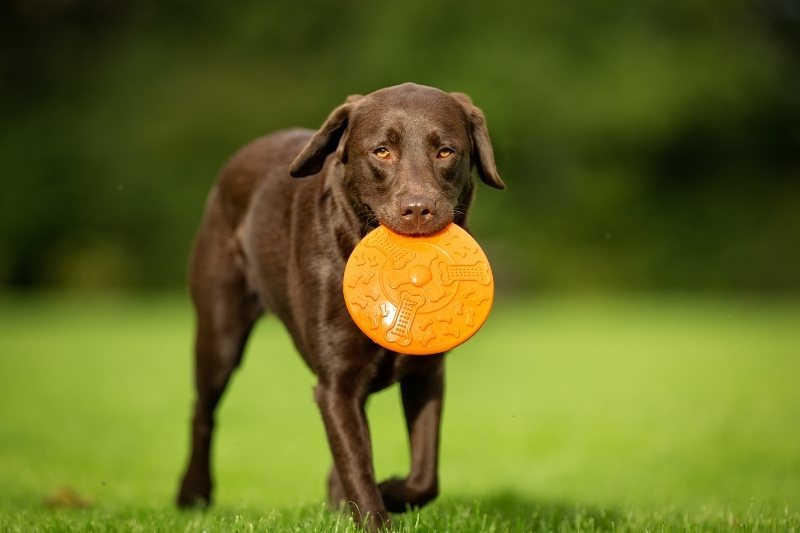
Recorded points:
(603,413)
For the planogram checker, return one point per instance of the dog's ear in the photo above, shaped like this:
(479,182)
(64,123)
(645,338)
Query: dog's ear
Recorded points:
(482,152)
(331,135)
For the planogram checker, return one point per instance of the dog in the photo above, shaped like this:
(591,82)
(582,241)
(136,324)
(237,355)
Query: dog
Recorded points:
(279,225)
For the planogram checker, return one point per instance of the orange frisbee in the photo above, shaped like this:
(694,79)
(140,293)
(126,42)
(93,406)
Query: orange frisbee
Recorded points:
(418,295)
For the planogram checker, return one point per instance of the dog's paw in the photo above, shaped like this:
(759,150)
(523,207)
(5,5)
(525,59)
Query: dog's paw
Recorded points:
(194,495)
(399,496)
(393,491)
(192,501)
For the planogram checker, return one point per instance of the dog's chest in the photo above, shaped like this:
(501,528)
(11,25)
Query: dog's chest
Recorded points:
(390,367)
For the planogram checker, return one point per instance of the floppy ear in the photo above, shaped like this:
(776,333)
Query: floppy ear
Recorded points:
(482,152)
(311,158)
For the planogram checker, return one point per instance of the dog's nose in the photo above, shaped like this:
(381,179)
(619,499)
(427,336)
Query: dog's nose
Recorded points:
(416,210)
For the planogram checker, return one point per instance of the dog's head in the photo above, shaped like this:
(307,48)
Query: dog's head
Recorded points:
(407,154)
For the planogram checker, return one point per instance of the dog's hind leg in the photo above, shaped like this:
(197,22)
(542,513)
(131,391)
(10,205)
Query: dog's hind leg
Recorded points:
(226,311)
(336,495)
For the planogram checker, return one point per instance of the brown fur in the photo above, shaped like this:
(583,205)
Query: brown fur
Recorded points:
(273,243)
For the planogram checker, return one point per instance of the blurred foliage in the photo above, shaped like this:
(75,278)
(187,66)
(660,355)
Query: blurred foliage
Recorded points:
(645,145)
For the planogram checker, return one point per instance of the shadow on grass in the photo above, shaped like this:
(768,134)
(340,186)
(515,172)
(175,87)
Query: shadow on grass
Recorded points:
(499,512)
(508,511)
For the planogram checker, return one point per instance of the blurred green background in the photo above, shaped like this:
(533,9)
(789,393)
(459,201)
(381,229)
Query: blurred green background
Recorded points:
(652,156)
(647,146)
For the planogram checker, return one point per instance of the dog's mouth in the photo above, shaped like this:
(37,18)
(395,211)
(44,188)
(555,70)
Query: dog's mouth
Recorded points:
(419,231)
(369,219)
(414,228)
(410,227)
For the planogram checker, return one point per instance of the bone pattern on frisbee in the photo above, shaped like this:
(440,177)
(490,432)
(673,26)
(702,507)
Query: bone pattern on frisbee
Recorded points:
(418,295)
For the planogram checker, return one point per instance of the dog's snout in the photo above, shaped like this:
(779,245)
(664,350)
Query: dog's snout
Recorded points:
(417,215)
(417,209)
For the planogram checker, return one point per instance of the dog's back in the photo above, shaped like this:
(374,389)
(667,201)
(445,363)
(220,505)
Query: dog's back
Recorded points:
(263,159)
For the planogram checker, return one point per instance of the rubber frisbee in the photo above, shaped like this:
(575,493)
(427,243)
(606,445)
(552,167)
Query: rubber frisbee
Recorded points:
(418,295)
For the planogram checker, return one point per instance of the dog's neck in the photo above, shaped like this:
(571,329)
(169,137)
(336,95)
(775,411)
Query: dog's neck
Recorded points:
(351,218)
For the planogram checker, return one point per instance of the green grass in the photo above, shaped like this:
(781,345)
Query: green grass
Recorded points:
(647,413)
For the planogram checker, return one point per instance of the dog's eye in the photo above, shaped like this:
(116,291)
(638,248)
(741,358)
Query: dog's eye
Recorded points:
(444,153)
(382,152)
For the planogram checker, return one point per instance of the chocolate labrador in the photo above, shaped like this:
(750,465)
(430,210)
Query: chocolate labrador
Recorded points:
(270,243)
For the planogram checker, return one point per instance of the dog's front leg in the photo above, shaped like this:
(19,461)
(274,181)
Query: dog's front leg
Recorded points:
(422,391)
(348,436)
